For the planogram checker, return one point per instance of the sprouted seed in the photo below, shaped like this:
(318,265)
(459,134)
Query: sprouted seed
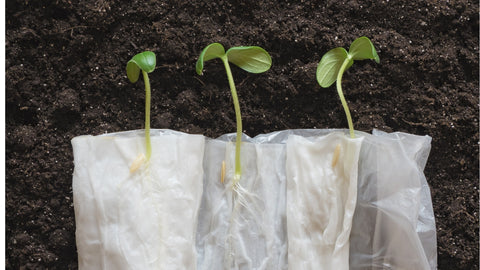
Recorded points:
(137,163)
(336,154)
(144,62)
(222,173)
(252,59)
(336,61)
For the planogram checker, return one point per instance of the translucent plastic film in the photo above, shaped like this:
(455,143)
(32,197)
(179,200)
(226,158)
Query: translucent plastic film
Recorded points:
(321,198)
(243,227)
(307,199)
(131,214)
(393,226)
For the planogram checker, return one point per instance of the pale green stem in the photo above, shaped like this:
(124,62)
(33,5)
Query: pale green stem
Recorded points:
(342,98)
(147,115)
(236,104)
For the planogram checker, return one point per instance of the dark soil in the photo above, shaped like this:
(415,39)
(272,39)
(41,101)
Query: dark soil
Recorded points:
(65,76)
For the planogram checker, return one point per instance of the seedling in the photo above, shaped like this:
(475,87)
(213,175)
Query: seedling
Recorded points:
(334,63)
(145,62)
(249,58)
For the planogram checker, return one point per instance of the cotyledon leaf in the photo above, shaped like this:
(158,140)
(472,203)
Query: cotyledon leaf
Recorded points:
(145,61)
(252,59)
(212,51)
(362,48)
(329,66)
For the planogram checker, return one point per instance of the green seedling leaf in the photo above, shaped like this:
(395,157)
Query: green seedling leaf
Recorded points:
(331,63)
(250,58)
(145,61)
(327,70)
(362,48)
(212,51)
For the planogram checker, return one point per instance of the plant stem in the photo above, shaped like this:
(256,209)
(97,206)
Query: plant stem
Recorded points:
(236,104)
(147,115)
(342,98)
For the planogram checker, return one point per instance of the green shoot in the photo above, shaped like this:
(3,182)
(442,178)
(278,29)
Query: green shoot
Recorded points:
(336,61)
(249,58)
(145,62)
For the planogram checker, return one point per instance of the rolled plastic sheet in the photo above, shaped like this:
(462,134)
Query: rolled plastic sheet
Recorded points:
(243,226)
(134,214)
(162,216)
(321,197)
(393,226)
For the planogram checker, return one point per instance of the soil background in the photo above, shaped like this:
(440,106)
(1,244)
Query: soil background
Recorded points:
(65,76)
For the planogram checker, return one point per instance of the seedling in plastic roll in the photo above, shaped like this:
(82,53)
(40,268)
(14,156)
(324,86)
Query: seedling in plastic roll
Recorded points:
(336,61)
(249,58)
(145,62)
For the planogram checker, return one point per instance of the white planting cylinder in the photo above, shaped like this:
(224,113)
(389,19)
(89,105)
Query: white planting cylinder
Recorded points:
(243,227)
(142,216)
(307,199)
(394,224)
(321,198)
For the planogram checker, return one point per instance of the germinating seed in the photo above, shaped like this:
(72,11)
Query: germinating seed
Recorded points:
(137,163)
(222,174)
(336,153)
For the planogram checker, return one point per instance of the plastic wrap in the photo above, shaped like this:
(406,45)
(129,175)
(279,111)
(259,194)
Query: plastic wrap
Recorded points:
(142,221)
(394,189)
(145,219)
(394,225)
(244,226)
(321,198)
